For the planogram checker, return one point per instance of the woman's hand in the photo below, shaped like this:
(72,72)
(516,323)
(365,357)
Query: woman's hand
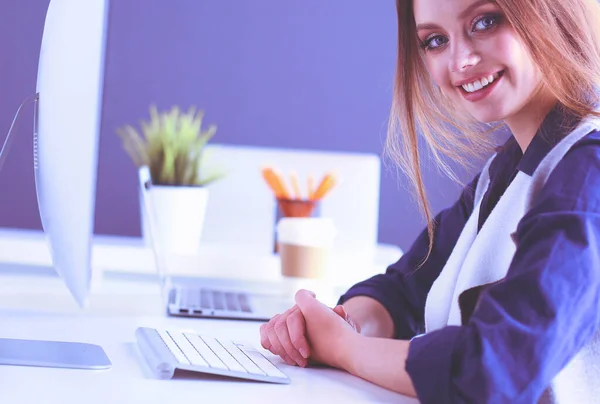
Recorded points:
(330,332)
(285,334)
(331,337)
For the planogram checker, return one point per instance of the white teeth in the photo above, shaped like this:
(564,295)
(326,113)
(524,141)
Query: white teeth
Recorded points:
(479,84)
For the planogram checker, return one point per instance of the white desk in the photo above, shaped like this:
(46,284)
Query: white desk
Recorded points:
(35,304)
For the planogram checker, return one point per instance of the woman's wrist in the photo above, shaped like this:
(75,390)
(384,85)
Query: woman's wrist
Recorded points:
(349,346)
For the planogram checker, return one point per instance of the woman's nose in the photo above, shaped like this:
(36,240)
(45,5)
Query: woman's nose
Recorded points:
(463,56)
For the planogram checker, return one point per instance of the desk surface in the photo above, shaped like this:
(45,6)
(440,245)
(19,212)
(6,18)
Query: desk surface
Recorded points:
(131,256)
(34,304)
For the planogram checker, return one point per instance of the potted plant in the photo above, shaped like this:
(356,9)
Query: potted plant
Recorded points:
(172,144)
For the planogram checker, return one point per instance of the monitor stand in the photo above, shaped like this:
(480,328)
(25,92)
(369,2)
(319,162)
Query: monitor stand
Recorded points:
(55,354)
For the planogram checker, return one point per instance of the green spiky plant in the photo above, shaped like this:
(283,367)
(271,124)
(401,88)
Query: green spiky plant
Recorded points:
(171,145)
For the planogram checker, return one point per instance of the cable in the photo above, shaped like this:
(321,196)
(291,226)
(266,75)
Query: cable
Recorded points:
(7,141)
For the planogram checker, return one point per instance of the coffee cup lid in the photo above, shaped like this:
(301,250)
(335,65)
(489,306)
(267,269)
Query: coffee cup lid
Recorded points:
(306,231)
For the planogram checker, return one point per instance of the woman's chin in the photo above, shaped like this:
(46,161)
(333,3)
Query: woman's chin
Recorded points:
(487,115)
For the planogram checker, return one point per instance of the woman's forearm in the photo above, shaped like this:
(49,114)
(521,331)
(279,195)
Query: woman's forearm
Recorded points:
(373,319)
(374,355)
(380,361)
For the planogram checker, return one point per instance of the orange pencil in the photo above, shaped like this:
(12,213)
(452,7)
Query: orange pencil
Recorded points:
(324,187)
(295,185)
(270,179)
(284,194)
(311,187)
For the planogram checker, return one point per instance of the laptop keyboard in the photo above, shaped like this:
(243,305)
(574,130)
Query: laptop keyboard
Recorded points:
(205,351)
(206,299)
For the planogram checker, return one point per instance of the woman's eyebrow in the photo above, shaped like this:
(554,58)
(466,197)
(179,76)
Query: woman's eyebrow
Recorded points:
(427,26)
(462,15)
(472,7)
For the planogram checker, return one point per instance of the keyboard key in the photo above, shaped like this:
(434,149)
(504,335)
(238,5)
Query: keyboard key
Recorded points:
(204,350)
(188,350)
(263,363)
(179,356)
(222,353)
(244,304)
(206,299)
(193,298)
(232,301)
(185,297)
(172,296)
(218,300)
(241,357)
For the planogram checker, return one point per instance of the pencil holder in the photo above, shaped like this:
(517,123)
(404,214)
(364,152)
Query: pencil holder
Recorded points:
(294,208)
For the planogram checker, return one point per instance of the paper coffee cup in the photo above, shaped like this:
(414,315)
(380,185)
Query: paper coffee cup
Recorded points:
(305,246)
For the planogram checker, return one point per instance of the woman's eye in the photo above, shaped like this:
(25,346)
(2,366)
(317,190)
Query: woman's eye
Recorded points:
(486,22)
(434,42)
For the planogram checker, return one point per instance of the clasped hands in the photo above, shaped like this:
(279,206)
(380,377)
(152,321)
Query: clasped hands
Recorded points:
(311,331)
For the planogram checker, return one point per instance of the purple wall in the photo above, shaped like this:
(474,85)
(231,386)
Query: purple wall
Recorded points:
(311,75)
(21,26)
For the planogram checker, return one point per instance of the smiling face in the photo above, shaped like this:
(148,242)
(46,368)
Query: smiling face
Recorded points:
(476,58)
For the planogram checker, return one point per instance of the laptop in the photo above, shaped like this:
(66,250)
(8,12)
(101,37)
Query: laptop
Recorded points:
(206,298)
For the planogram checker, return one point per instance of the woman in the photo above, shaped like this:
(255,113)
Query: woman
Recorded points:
(497,300)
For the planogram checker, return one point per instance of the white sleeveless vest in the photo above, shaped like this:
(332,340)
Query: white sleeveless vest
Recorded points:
(481,258)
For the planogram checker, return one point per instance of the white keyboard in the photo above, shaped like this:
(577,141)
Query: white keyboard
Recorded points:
(167,350)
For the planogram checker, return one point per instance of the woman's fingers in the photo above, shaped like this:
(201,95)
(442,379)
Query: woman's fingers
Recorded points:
(297,330)
(287,335)
(264,337)
(341,311)
(276,346)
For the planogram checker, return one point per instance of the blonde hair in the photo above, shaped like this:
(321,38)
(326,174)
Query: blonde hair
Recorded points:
(563,38)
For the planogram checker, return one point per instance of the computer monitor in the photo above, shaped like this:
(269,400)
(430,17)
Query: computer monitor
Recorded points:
(67,125)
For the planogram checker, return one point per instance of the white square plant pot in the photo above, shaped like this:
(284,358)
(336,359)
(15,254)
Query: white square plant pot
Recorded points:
(179,213)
